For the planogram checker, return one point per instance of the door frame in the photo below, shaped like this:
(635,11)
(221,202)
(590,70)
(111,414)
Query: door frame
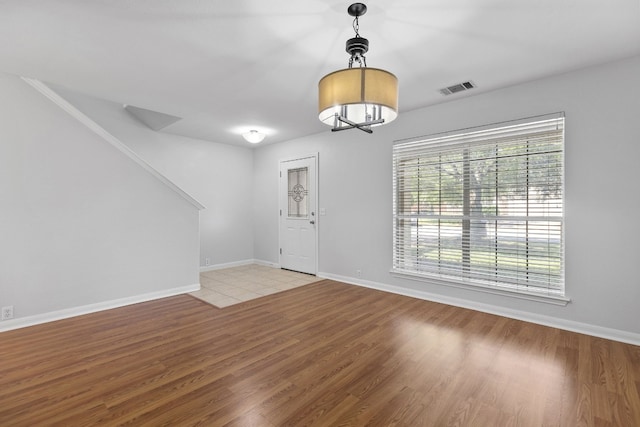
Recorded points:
(282,208)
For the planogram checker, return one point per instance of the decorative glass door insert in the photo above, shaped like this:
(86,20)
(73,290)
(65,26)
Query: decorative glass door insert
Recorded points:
(298,185)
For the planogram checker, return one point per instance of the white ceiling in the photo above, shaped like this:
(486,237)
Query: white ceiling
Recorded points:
(229,66)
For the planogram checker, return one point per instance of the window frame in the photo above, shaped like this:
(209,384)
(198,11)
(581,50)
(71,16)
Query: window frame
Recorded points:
(459,142)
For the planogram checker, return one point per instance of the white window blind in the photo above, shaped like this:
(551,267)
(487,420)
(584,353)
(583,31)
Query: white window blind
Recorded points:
(483,207)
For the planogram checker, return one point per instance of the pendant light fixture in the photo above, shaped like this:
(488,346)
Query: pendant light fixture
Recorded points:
(361,97)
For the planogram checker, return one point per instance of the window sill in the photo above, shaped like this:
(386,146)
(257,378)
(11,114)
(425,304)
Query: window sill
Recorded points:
(480,287)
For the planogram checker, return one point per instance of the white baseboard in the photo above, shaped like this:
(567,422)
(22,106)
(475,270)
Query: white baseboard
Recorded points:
(23,322)
(225,265)
(266,263)
(554,322)
(238,264)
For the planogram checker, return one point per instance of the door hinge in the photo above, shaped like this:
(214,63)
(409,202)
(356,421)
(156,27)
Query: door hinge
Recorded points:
(280,251)
(280,212)
(280,174)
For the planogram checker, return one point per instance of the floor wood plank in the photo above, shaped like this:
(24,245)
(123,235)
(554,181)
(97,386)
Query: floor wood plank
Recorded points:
(321,354)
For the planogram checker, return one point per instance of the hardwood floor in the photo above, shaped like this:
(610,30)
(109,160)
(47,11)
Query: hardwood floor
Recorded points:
(324,354)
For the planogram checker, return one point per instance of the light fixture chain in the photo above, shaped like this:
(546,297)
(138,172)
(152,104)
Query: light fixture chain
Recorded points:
(356,26)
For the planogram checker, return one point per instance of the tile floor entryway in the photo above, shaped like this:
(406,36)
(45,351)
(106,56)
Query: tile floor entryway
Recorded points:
(229,286)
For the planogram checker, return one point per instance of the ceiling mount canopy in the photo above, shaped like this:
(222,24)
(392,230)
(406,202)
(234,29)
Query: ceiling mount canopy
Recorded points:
(357,98)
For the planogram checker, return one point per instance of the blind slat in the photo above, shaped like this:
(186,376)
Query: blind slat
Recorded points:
(484,206)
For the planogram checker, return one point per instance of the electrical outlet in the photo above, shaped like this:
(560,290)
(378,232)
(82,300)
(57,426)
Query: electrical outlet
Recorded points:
(359,273)
(207,261)
(7,312)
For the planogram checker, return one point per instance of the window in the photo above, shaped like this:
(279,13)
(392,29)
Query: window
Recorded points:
(483,207)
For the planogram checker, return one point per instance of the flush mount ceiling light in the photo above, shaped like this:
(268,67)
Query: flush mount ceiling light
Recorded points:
(253,136)
(358,98)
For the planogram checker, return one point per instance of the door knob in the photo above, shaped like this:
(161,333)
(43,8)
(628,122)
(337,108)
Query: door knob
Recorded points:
(312,222)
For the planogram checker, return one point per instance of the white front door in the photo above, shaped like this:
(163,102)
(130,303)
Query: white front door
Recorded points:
(298,219)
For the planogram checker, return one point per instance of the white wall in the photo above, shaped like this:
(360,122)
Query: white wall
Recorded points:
(219,176)
(602,106)
(80,223)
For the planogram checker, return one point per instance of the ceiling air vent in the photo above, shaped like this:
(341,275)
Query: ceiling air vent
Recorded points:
(457,88)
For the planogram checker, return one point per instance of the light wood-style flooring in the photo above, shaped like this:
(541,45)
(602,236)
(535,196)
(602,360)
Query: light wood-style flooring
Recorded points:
(324,354)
